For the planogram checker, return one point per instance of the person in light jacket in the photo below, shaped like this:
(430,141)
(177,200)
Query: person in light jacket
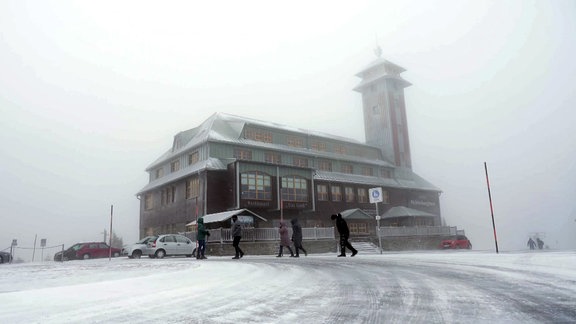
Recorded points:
(284,239)
(344,232)
(297,237)
(237,236)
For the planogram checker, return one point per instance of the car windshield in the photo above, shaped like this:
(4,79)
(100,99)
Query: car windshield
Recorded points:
(76,247)
(147,239)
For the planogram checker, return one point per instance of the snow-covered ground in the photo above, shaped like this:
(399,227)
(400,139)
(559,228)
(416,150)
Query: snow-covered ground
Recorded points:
(437,287)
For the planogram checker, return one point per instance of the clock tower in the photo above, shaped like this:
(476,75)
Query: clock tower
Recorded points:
(385,122)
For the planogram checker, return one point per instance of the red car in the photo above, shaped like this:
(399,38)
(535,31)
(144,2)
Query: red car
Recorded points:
(89,250)
(456,242)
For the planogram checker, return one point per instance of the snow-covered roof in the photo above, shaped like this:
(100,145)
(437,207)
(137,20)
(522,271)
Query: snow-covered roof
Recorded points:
(209,164)
(356,213)
(222,127)
(219,217)
(401,211)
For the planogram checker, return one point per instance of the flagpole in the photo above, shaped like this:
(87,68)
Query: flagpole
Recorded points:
(491,208)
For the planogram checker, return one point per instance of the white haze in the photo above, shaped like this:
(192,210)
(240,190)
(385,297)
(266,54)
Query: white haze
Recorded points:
(93,92)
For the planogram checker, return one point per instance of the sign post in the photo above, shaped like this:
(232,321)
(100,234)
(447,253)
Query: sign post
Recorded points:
(42,245)
(376,197)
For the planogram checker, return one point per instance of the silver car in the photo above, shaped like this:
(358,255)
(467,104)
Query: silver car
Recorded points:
(170,245)
(136,250)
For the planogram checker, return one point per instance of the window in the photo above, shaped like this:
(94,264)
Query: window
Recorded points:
(385,197)
(367,171)
(358,228)
(272,157)
(325,165)
(336,193)
(167,195)
(148,202)
(175,166)
(385,173)
(242,154)
(294,189)
(192,187)
(300,161)
(347,168)
(255,185)
(322,192)
(259,135)
(193,157)
(159,173)
(362,195)
(349,193)
(318,146)
(340,149)
(295,141)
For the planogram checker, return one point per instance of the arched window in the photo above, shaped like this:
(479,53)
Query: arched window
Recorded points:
(255,185)
(294,189)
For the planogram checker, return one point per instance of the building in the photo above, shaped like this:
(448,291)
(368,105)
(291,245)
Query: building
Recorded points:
(230,162)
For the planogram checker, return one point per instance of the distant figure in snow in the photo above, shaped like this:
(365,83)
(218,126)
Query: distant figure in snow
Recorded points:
(540,243)
(201,237)
(237,235)
(531,244)
(297,237)
(284,239)
(344,232)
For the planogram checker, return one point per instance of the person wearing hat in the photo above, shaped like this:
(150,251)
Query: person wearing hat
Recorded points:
(344,232)
(237,235)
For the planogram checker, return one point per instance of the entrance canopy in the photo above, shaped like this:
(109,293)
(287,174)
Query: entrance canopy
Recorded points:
(356,213)
(401,211)
(223,216)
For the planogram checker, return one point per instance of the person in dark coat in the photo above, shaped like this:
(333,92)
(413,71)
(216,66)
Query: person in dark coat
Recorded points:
(237,236)
(201,237)
(531,244)
(540,243)
(297,237)
(344,232)
(284,239)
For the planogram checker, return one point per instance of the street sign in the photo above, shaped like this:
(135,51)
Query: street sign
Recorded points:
(42,242)
(14,242)
(375,195)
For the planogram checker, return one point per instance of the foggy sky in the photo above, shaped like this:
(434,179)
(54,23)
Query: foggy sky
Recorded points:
(92,92)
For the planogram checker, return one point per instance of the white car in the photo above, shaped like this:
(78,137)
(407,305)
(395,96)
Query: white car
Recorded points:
(136,250)
(170,245)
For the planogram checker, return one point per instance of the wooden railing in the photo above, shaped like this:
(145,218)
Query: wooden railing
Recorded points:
(418,231)
(316,233)
(264,234)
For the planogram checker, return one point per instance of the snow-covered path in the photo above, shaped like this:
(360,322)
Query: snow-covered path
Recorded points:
(447,287)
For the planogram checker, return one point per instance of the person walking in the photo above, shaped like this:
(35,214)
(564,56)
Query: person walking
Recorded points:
(284,239)
(344,232)
(540,243)
(531,244)
(297,237)
(237,236)
(201,237)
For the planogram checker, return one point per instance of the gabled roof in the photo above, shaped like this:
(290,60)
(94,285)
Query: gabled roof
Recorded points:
(356,213)
(210,164)
(221,127)
(223,216)
(401,211)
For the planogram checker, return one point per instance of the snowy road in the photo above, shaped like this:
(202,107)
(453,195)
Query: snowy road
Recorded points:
(445,287)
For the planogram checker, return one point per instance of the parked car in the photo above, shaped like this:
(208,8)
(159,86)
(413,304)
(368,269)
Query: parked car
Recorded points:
(456,242)
(170,245)
(88,250)
(5,257)
(139,248)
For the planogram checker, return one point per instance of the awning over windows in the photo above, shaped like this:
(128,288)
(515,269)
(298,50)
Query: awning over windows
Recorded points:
(355,213)
(401,211)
